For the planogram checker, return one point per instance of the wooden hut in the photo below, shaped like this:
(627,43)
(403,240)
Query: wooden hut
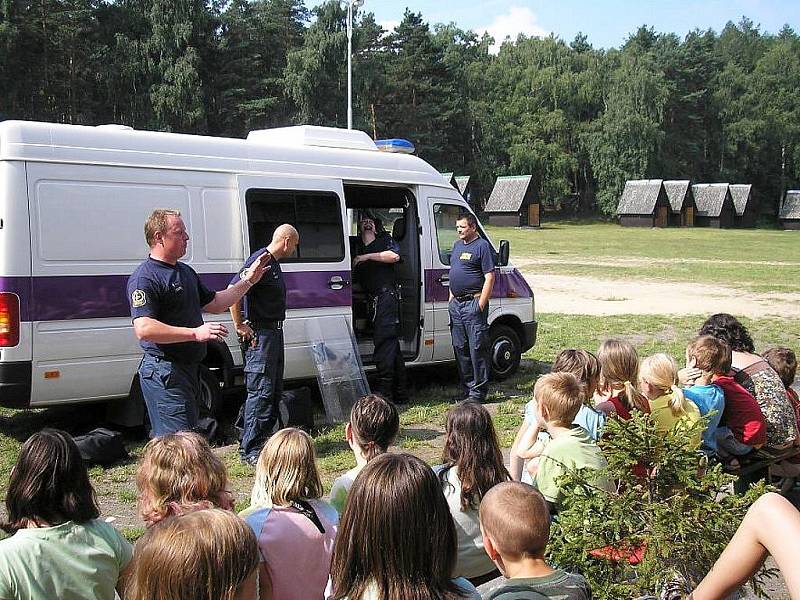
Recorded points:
(714,205)
(789,214)
(644,203)
(744,203)
(681,201)
(512,202)
(464,188)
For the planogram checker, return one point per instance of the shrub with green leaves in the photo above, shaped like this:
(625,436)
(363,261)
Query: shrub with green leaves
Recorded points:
(678,517)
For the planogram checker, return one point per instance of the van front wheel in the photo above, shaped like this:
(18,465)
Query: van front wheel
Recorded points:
(210,399)
(505,351)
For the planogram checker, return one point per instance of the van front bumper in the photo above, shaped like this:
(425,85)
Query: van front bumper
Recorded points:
(15,384)
(529,335)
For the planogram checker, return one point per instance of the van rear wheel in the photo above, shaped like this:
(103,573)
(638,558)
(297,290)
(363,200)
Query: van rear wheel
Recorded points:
(210,399)
(505,351)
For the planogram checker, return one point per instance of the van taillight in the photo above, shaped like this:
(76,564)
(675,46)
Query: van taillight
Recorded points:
(9,319)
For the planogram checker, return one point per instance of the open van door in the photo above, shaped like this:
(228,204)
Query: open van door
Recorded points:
(318,278)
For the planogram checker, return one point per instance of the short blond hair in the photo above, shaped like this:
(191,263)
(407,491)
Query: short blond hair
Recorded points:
(179,473)
(286,470)
(561,394)
(157,223)
(205,555)
(516,517)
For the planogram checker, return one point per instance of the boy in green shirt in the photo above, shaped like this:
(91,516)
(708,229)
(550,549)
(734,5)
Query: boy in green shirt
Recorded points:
(515,524)
(559,397)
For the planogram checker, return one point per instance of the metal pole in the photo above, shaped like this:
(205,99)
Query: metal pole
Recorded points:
(349,64)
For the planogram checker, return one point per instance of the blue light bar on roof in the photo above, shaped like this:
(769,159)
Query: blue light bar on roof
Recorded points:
(395,145)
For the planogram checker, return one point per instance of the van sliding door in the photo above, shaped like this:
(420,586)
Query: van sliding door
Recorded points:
(318,277)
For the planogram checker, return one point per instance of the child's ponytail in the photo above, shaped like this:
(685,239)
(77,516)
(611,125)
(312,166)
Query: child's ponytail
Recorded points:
(678,402)
(636,400)
(619,365)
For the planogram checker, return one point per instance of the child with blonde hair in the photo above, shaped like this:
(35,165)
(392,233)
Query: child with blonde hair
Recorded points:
(619,374)
(296,530)
(530,439)
(373,427)
(658,379)
(179,473)
(203,555)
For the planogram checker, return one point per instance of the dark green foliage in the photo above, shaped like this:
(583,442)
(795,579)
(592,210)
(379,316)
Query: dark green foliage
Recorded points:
(682,512)
(580,120)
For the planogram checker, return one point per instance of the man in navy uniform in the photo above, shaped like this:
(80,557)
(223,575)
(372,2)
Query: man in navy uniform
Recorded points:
(262,332)
(167,302)
(471,283)
(374,267)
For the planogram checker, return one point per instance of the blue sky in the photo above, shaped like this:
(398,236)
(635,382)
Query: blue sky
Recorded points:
(606,22)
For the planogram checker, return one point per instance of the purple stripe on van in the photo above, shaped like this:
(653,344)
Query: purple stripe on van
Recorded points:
(506,285)
(58,298)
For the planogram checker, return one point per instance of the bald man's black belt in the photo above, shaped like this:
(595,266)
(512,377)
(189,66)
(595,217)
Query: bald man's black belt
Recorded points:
(266,324)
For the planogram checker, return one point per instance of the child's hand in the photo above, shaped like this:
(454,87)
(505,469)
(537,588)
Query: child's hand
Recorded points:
(688,375)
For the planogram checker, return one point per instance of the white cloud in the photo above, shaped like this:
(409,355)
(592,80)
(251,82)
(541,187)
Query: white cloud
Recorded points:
(517,20)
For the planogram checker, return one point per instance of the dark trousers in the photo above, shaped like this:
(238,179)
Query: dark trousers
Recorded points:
(170,393)
(387,355)
(469,329)
(263,371)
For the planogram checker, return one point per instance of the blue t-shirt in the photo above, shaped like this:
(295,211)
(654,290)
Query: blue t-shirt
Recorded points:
(707,398)
(266,300)
(174,295)
(468,264)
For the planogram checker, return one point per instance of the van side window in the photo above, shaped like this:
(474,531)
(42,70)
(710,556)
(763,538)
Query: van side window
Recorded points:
(316,215)
(445,216)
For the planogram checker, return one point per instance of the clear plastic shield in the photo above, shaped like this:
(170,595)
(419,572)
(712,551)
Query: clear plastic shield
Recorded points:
(340,374)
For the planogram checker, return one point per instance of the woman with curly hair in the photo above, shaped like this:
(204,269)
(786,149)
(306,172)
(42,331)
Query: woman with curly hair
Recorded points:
(179,473)
(473,464)
(59,547)
(753,373)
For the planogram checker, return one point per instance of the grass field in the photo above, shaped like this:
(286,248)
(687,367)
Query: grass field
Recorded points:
(761,260)
(422,421)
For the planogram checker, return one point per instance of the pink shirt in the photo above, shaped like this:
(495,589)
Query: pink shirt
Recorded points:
(297,553)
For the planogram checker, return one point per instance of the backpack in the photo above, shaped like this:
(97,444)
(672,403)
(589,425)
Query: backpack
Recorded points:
(101,446)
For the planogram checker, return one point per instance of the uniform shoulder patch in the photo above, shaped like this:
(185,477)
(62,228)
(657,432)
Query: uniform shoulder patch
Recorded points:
(465,256)
(138,298)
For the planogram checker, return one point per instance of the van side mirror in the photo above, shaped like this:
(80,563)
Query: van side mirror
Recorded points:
(502,256)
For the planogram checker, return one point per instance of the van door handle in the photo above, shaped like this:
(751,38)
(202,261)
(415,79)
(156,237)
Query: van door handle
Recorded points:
(444,280)
(336,282)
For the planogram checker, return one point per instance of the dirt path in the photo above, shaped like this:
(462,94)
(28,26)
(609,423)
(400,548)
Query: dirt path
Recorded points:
(593,296)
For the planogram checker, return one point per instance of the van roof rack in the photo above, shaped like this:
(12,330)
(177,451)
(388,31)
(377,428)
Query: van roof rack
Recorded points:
(312,135)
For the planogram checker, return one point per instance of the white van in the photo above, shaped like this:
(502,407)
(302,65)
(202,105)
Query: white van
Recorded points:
(73,201)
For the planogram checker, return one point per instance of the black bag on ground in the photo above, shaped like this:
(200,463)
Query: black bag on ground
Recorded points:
(101,446)
(295,409)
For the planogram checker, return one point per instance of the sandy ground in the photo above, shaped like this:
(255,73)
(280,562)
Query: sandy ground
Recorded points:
(591,296)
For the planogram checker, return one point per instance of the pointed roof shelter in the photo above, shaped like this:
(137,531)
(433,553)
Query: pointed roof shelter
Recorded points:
(714,204)
(745,205)
(789,214)
(462,183)
(681,200)
(644,203)
(512,203)
(450,178)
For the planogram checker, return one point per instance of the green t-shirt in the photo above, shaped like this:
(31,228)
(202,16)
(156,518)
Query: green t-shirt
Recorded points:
(559,585)
(572,450)
(341,487)
(71,561)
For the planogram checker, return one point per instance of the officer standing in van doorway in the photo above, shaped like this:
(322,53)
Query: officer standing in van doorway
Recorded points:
(167,301)
(262,333)
(374,267)
(471,283)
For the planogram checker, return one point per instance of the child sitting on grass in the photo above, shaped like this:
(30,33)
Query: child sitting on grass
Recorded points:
(706,357)
(586,368)
(619,374)
(516,526)
(658,378)
(559,396)
(372,428)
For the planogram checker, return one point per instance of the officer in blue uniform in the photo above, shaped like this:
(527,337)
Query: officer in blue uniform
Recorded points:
(471,283)
(167,300)
(262,333)
(374,268)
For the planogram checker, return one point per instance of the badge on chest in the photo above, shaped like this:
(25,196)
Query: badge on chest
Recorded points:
(465,256)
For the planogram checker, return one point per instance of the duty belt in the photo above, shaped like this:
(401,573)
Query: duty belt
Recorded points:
(467,297)
(266,324)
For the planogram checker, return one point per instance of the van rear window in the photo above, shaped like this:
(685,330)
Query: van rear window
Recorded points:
(316,215)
